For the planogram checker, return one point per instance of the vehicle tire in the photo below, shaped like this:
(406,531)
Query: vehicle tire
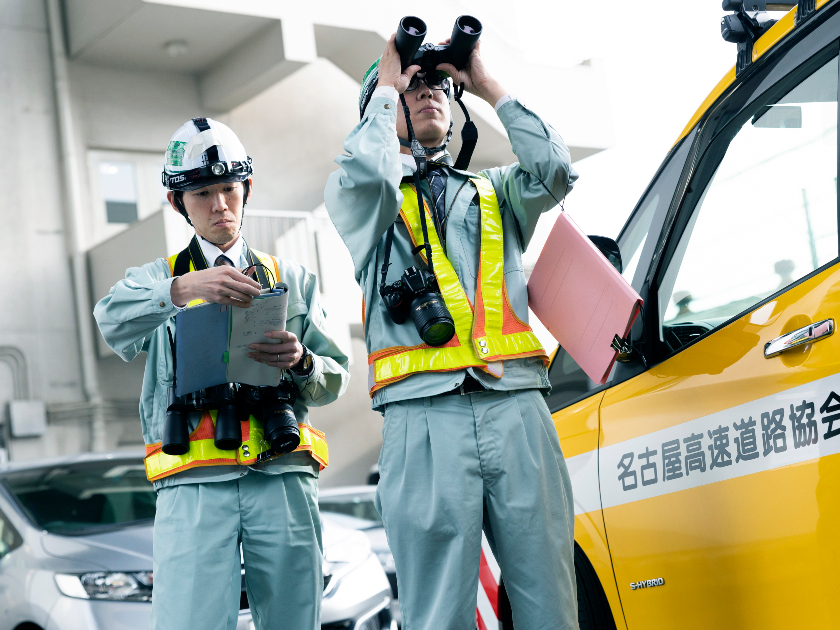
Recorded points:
(593,608)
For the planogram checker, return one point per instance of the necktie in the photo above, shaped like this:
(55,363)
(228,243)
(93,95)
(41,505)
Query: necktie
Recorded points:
(437,184)
(223,261)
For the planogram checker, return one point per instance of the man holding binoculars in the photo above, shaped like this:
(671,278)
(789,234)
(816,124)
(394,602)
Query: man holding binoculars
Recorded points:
(221,459)
(468,441)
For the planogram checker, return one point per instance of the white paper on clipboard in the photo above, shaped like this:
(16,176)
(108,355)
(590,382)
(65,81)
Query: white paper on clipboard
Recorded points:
(249,325)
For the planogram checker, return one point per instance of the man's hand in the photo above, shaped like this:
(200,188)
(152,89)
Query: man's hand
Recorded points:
(390,68)
(474,76)
(220,285)
(283,354)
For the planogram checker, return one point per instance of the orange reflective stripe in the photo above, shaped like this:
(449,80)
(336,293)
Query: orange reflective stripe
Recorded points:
(396,363)
(450,287)
(203,451)
(491,272)
(484,336)
(314,441)
(497,332)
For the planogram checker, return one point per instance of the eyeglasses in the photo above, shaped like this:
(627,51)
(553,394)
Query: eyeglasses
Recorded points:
(432,80)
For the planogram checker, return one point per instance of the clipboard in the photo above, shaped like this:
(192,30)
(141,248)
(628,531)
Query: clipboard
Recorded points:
(583,301)
(211,342)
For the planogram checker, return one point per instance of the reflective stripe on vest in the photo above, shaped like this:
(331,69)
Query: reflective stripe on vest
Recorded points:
(484,338)
(203,451)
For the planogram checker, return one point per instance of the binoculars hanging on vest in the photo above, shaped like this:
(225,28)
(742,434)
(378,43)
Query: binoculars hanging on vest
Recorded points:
(412,50)
(234,403)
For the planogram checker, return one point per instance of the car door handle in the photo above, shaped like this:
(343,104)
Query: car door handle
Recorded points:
(807,334)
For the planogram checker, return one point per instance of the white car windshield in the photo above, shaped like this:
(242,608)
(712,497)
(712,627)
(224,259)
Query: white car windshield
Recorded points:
(80,497)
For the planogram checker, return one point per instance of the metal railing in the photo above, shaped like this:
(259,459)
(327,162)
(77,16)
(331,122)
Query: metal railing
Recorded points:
(287,234)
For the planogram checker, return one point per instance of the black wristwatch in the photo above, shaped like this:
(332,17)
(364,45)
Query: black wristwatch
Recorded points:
(306,363)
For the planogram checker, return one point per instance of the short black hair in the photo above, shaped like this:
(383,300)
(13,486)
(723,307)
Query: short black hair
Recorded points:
(179,200)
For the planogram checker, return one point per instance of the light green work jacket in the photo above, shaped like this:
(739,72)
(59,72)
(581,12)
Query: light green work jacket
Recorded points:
(133,318)
(363,199)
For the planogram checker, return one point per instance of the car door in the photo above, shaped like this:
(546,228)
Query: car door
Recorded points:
(574,399)
(718,464)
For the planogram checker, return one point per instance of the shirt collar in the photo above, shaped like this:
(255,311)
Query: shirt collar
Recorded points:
(235,253)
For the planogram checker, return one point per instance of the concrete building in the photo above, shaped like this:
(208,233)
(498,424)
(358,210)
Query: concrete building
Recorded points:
(90,92)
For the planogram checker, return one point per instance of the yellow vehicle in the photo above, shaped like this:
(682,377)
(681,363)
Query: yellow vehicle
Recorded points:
(706,472)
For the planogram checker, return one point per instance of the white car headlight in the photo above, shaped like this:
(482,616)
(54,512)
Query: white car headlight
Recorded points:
(114,586)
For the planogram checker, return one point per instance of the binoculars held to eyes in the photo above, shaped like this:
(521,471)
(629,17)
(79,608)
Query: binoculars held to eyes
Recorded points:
(413,51)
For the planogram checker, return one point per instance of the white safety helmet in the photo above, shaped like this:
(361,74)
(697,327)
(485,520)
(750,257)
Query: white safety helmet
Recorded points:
(204,152)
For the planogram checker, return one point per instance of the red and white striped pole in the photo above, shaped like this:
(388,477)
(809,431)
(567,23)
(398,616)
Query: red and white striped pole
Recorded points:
(489,576)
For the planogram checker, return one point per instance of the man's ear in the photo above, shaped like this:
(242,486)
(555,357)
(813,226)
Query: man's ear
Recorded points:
(171,197)
(250,190)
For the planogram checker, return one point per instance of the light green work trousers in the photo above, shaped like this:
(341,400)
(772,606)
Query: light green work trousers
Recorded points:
(452,465)
(198,530)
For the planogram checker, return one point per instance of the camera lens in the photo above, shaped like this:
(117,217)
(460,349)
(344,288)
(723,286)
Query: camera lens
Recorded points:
(432,319)
(279,420)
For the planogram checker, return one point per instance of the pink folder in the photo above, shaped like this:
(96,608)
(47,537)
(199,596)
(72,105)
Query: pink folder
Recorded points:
(581,298)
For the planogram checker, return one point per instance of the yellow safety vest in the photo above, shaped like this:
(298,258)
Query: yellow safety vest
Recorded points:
(203,451)
(484,336)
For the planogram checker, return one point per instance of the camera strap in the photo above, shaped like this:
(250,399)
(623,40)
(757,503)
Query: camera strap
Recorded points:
(193,253)
(469,133)
(420,173)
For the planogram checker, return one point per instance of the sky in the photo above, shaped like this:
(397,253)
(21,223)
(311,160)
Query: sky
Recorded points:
(661,61)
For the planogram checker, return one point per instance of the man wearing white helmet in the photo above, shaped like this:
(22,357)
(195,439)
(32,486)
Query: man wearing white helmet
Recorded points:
(210,500)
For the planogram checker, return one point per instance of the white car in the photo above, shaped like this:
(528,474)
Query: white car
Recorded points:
(76,552)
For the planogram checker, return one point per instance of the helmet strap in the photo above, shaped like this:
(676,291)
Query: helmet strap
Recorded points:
(179,203)
(469,134)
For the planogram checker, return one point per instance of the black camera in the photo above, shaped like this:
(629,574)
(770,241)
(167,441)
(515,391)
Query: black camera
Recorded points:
(278,416)
(412,51)
(416,293)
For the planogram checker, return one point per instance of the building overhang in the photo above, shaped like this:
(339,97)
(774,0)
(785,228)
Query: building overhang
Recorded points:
(237,51)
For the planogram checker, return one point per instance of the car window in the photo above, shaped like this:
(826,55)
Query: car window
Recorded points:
(9,537)
(767,217)
(73,498)
(357,505)
(568,381)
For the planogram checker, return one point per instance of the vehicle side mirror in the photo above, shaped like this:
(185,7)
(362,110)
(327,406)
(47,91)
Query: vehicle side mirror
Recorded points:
(609,248)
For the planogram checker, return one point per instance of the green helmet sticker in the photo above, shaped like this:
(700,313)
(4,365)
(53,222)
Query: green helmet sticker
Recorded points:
(175,153)
(368,86)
